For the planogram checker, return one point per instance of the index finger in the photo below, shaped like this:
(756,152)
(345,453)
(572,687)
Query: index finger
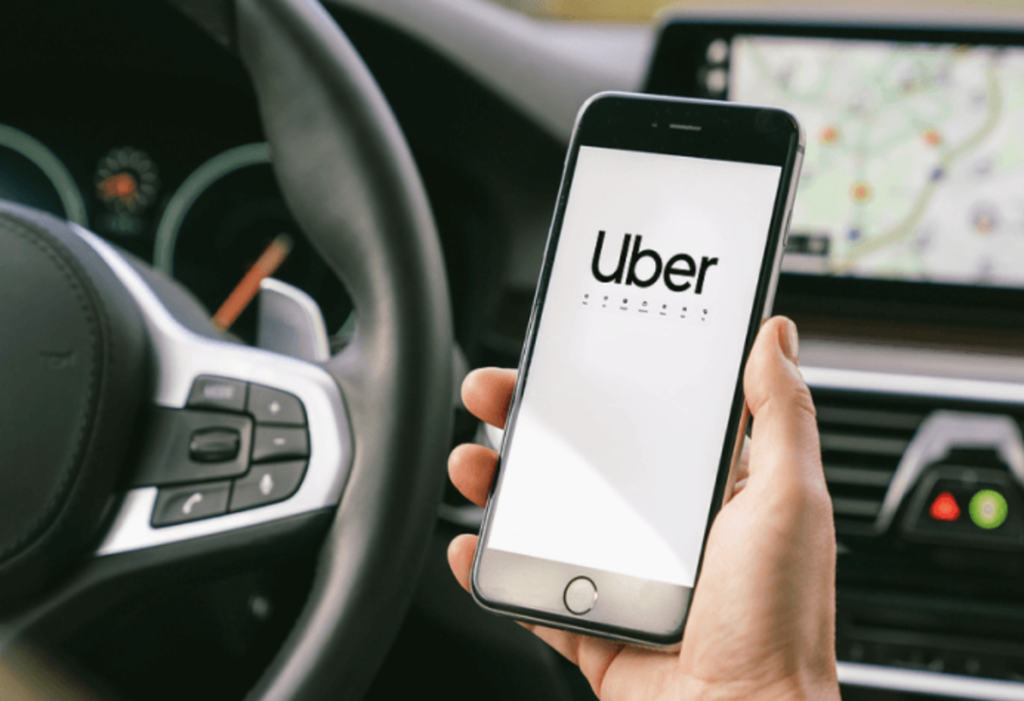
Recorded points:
(487,392)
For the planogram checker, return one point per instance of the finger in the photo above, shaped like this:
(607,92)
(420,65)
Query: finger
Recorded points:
(460,557)
(487,392)
(471,469)
(785,434)
(614,670)
(742,467)
(593,656)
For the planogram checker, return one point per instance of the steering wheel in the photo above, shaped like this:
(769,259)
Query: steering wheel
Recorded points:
(101,360)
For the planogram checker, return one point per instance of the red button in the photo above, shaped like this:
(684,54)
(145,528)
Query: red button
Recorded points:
(944,508)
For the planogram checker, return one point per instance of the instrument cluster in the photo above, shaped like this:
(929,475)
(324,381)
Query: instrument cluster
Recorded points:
(186,186)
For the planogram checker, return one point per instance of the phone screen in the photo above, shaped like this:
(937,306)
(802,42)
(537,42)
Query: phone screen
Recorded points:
(615,448)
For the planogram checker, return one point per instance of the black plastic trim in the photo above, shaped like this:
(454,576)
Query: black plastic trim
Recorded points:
(102,583)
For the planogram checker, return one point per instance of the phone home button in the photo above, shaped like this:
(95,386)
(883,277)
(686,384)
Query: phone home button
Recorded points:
(580,595)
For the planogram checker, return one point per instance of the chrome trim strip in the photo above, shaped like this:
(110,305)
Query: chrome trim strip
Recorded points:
(195,185)
(913,385)
(52,167)
(935,683)
(178,357)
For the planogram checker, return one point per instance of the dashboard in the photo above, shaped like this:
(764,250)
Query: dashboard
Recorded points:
(903,267)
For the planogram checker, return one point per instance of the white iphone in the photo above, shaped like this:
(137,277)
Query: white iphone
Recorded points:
(628,412)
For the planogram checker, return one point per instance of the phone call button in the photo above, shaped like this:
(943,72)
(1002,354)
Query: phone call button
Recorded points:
(190,503)
(580,595)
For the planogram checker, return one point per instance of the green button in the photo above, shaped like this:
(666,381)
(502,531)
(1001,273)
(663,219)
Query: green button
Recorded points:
(988,509)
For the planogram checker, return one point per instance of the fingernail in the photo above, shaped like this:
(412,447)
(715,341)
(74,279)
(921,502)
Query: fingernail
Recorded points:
(790,342)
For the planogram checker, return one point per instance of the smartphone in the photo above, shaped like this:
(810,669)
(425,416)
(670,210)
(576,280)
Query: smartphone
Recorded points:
(628,413)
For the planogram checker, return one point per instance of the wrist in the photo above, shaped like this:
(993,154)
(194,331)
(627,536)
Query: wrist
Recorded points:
(803,686)
(818,690)
(797,687)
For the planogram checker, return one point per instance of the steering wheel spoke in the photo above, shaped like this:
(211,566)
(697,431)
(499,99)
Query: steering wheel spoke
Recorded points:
(256,387)
(276,446)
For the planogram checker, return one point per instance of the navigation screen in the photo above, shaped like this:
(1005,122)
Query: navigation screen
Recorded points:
(914,167)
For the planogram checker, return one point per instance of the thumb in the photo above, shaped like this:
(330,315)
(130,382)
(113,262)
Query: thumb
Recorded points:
(785,432)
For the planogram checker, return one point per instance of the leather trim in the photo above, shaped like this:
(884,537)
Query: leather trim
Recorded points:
(86,501)
(349,178)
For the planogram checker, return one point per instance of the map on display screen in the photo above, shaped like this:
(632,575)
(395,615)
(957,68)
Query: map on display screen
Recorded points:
(914,167)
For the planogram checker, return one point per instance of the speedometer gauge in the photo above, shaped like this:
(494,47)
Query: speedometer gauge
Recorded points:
(222,221)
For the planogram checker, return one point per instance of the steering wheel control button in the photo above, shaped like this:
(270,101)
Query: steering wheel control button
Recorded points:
(278,443)
(266,484)
(184,445)
(214,445)
(190,503)
(580,595)
(271,406)
(217,393)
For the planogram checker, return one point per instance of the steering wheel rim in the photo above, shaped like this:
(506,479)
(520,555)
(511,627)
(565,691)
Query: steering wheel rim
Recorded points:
(319,103)
(350,181)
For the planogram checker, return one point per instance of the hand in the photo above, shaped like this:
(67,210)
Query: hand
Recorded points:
(762,619)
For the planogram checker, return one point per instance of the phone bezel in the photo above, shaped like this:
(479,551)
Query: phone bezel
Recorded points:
(678,57)
(642,123)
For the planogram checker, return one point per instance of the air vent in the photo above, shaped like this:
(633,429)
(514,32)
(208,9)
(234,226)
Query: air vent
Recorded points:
(861,445)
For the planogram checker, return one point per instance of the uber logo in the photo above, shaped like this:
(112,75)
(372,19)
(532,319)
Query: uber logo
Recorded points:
(679,270)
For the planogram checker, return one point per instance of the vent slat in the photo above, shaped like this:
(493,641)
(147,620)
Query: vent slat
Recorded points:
(851,506)
(862,441)
(875,445)
(857,477)
(868,418)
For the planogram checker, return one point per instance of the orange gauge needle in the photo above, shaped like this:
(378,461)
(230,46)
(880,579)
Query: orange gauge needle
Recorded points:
(249,286)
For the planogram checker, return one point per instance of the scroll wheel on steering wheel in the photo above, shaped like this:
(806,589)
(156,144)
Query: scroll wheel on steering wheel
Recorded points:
(214,445)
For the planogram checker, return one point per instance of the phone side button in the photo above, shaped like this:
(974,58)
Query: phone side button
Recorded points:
(580,595)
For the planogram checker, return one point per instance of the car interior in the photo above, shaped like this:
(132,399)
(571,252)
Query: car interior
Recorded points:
(250,248)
